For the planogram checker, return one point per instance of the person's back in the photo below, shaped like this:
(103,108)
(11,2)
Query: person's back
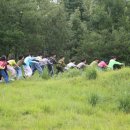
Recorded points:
(43,62)
(82,64)
(71,65)
(20,62)
(94,63)
(12,62)
(61,62)
(102,64)
(27,60)
(53,59)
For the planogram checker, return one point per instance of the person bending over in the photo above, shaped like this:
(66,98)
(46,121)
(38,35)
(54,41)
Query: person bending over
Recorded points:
(113,64)
(102,65)
(70,65)
(82,64)
(94,63)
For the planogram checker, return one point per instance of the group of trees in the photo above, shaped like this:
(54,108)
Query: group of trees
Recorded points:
(74,28)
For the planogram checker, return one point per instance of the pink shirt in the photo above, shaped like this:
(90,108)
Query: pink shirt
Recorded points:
(102,64)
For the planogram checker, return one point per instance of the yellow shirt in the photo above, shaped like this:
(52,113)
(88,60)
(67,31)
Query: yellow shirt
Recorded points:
(12,62)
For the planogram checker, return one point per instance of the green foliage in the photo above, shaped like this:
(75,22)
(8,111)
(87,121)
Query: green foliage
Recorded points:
(91,28)
(90,73)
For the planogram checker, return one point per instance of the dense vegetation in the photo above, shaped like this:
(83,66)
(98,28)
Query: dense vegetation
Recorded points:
(75,28)
(68,102)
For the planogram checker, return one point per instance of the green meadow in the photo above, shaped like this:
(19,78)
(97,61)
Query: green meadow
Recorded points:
(72,101)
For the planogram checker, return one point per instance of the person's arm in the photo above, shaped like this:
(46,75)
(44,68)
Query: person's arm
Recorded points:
(33,61)
(2,67)
(15,64)
(49,62)
(118,63)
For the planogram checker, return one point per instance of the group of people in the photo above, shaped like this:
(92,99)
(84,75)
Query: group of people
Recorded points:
(25,67)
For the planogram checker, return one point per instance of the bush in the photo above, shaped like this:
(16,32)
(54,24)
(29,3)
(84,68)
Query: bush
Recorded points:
(90,73)
(73,73)
(45,74)
(93,100)
(124,104)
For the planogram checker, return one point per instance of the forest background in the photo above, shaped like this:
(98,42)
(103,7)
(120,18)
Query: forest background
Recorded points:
(74,28)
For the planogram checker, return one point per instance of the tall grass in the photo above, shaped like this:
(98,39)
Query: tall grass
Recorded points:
(69,103)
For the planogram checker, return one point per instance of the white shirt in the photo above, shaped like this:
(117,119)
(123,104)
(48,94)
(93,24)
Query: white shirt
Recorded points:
(44,61)
(71,64)
(81,65)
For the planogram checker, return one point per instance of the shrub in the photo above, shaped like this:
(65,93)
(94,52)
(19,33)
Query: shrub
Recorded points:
(124,104)
(93,100)
(73,73)
(90,73)
(45,74)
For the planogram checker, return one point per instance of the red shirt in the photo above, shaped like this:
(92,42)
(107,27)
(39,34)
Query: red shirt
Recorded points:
(3,64)
(102,64)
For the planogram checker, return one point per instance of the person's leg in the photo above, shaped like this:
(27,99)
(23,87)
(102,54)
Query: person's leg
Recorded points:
(19,73)
(12,71)
(4,75)
(28,71)
(33,68)
(38,67)
(16,69)
(0,77)
(49,66)
(52,72)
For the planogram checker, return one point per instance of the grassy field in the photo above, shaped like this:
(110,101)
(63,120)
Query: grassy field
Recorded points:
(67,103)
